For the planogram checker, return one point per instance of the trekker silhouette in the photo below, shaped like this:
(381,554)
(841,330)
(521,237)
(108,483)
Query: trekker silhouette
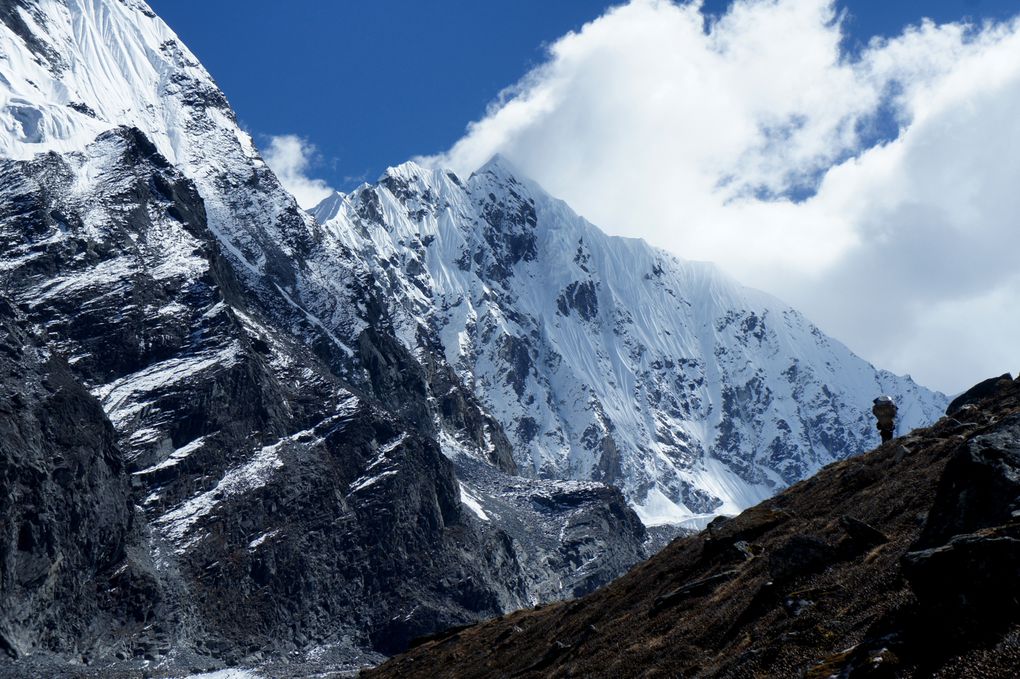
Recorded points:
(884,409)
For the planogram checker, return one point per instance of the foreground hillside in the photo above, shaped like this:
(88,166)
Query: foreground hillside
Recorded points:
(898,563)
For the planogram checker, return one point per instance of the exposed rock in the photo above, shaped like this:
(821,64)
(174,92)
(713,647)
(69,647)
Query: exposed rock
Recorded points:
(860,536)
(800,555)
(581,297)
(979,392)
(981,486)
(967,589)
(65,504)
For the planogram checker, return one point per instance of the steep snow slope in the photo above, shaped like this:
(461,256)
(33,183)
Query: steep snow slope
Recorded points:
(605,358)
(80,67)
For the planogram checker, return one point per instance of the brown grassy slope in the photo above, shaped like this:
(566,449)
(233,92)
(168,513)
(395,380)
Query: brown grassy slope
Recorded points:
(810,583)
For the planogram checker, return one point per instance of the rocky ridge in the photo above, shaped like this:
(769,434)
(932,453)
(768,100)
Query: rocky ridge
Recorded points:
(899,563)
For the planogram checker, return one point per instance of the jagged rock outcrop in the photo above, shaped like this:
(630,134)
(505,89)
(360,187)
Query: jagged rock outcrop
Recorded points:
(979,391)
(899,563)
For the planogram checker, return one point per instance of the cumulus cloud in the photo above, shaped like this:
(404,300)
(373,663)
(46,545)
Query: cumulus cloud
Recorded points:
(873,190)
(289,157)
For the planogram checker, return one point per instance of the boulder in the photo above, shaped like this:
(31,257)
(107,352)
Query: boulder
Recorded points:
(979,392)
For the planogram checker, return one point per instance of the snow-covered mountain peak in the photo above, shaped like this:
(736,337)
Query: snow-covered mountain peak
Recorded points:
(410,171)
(500,167)
(501,177)
(602,358)
(605,358)
(80,67)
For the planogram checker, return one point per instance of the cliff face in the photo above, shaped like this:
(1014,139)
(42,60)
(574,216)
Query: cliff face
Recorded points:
(281,511)
(898,563)
(65,511)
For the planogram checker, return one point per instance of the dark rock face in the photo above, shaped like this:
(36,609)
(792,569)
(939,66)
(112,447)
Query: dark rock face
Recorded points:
(325,548)
(980,391)
(284,512)
(65,510)
(981,486)
(967,589)
(899,563)
(569,537)
(965,563)
(510,229)
(581,297)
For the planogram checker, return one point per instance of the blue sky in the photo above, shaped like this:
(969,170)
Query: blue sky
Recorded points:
(372,84)
(871,185)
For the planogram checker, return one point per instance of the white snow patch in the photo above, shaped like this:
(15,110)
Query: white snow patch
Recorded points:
(659,510)
(388,448)
(366,481)
(175,457)
(125,398)
(233,673)
(472,503)
(112,272)
(250,476)
(145,436)
(737,494)
(262,538)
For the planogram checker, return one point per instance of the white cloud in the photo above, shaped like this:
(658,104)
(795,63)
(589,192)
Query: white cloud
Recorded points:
(289,156)
(694,135)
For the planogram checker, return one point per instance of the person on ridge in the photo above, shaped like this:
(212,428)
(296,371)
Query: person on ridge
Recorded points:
(884,409)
